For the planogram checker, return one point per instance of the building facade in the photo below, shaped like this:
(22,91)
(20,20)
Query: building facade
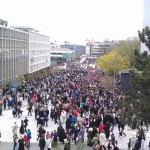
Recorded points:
(80,49)
(14,53)
(22,50)
(61,55)
(39,56)
(97,49)
(39,49)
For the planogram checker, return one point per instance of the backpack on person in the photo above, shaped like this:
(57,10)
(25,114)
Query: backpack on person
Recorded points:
(14,110)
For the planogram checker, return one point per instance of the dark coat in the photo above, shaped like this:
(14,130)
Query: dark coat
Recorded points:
(68,123)
(22,129)
(55,137)
(21,144)
(67,146)
(42,143)
(61,134)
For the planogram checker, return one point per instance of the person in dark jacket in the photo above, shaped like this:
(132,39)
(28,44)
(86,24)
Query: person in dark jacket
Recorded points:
(107,129)
(55,116)
(61,133)
(21,143)
(22,127)
(68,123)
(42,143)
(40,130)
(25,124)
(67,146)
(4,101)
(55,136)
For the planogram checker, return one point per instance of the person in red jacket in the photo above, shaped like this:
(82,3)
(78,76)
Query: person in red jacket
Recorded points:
(75,113)
(101,127)
(26,141)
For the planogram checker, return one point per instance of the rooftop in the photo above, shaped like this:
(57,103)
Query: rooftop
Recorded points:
(26,28)
(58,49)
(3,22)
(29,30)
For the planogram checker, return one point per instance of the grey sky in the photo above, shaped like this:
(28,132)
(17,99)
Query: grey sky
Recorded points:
(76,20)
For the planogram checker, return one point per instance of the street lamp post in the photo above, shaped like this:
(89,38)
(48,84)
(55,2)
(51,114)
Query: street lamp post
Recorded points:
(113,90)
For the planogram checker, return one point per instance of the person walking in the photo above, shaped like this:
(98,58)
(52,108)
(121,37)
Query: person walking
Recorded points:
(22,127)
(0,109)
(55,116)
(15,128)
(29,137)
(21,143)
(102,138)
(14,111)
(29,110)
(25,124)
(18,111)
(4,101)
(0,134)
(42,143)
(63,116)
(15,140)
(26,142)
(49,143)
(81,134)
(40,132)
(67,146)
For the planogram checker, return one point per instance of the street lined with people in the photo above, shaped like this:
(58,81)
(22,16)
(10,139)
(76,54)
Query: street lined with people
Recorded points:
(70,107)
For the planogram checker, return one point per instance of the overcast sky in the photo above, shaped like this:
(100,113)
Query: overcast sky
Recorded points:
(76,20)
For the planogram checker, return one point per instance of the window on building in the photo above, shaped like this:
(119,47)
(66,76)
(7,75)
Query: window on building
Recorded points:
(0,32)
(0,43)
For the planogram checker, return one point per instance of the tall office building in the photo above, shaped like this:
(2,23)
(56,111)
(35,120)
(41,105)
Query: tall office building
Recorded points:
(80,49)
(22,50)
(39,49)
(14,53)
(146,20)
(97,49)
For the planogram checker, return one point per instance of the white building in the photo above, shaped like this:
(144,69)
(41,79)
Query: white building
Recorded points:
(14,53)
(60,55)
(39,49)
(22,50)
(97,49)
(146,21)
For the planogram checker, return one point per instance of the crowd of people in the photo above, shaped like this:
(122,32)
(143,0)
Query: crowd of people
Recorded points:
(75,99)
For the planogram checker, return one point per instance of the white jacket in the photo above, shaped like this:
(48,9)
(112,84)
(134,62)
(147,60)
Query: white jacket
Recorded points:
(63,114)
(142,145)
(133,141)
(102,139)
(15,129)
(49,143)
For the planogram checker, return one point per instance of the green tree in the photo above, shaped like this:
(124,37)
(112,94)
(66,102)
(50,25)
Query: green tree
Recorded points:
(145,36)
(136,106)
(126,49)
(111,62)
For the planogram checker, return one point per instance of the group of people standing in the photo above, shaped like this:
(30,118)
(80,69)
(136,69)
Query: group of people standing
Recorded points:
(76,100)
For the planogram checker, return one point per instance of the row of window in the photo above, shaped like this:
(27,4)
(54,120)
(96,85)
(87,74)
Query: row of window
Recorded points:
(13,34)
(13,44)
(39,66)
(13,53)
(39,59)
(39,52)
(13,67)
(20,35)
(35,45)
(39,38)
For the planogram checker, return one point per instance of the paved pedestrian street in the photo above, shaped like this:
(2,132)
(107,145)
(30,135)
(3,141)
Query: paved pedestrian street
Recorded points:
(7,120)
(69,105)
